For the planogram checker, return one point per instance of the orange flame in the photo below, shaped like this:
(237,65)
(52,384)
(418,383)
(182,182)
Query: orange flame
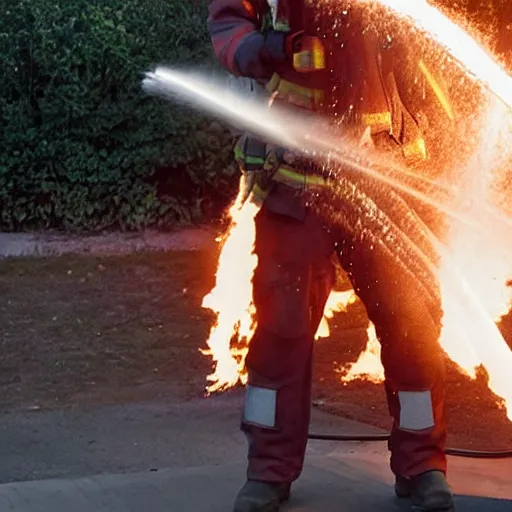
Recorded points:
(231,298)
(474,272)
(473,275)
(368,366)
(336,303)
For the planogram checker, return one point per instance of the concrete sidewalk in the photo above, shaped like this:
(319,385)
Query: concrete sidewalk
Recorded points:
(329,484)
(200,453)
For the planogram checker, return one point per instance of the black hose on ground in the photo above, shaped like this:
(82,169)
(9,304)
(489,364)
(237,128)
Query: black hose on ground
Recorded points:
(456,452)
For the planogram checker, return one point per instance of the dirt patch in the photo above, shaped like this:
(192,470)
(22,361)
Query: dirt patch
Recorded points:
(79,330)
(82,330)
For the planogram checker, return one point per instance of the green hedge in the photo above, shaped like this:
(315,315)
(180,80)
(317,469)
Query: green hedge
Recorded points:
(82,147)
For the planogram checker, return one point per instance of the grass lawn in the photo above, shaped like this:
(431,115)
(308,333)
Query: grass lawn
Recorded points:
(77,331)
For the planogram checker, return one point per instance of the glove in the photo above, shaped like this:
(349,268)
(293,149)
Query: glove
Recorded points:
(306,52)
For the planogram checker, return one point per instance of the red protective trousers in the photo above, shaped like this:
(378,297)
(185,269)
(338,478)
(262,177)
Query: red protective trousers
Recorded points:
(292,282)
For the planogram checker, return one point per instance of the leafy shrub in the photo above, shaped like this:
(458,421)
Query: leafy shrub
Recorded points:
(81,146)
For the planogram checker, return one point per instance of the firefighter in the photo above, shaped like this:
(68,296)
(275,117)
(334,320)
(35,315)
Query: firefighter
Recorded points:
(280,47)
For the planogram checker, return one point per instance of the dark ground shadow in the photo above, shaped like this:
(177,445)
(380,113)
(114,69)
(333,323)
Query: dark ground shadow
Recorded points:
(372,502)
(340,489)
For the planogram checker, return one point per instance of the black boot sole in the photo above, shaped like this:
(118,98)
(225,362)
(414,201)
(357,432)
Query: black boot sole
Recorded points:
(272,507)
(448,508)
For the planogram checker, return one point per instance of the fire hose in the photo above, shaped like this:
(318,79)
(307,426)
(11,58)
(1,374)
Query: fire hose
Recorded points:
(456,452)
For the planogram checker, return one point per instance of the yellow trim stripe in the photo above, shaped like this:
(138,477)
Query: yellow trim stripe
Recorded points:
(377,118)
(416,148)
(278,86)
(287,176)
(438,90)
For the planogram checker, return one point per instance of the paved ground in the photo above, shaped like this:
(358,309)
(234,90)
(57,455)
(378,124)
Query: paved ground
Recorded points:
(132,438)
(112,459)
(51,244)
(327,486)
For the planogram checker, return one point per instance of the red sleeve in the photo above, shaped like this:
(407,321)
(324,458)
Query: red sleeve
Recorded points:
(239,44)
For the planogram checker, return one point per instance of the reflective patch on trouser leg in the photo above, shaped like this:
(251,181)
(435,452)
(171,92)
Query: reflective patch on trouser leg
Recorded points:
(260,406)
(416,411)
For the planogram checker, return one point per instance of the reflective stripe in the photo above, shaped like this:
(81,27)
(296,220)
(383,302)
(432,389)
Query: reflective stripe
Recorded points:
(437,88)
(287,88)
(246,151)
(310,59)
(416,412)
(240,155)
(293,93)
(415,149)
(289,177)
(260,406)
(253,160)
(377,121)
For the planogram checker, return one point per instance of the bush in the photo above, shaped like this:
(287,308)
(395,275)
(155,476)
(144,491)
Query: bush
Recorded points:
(81,146)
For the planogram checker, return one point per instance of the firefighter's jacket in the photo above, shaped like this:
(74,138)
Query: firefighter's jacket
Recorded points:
(358,86)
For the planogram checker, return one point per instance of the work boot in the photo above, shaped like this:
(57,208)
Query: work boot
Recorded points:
(257,496)
(429,492)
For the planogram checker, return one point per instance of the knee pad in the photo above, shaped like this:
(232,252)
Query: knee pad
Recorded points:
(416,410)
